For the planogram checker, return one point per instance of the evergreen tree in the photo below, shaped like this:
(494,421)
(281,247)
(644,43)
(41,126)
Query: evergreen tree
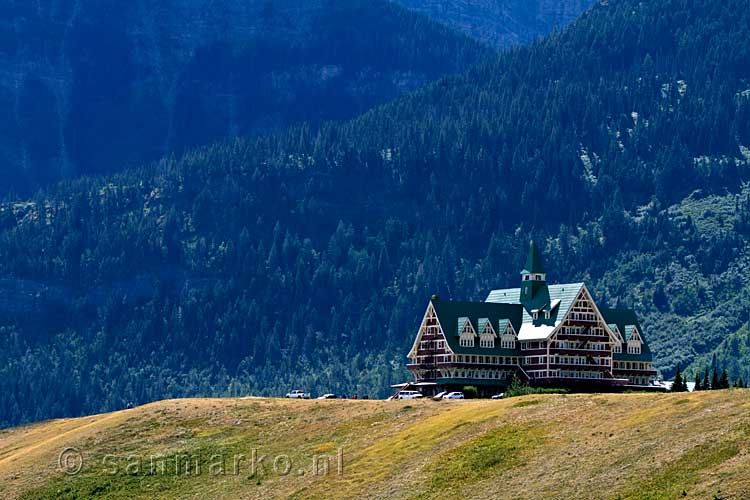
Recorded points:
(679,384)
(715,382)
(697,381)
(724,379)
(229,262)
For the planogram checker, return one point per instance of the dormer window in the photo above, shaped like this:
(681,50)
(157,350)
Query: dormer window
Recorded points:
(546,314)
(466,332)
(535,314)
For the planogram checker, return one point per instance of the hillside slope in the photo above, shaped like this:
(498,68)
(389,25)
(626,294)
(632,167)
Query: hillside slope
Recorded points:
(501,23)
(589,447)
(306,257)
(95,86)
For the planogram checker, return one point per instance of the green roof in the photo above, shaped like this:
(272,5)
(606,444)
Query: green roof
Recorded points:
(482,324)
(629,332)
(533,261)
(626,320)
(542,300)
(503,324)
(453,315)
(461,324)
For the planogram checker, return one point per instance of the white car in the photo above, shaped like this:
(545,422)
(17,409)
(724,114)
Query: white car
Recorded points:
(454,395)
(297,394)
(327,396)
(499,396)
(439,396)
(409,395)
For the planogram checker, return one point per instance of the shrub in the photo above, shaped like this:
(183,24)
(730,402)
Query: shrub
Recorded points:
(470,392)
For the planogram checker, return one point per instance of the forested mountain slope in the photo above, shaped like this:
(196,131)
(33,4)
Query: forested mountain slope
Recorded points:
(501,23)
(92,86)
(305,258)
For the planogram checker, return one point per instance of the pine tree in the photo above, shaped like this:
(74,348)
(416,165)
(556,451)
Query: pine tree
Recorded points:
(705,386)
(715,383)
(697,382)
(679,384)
(724,380)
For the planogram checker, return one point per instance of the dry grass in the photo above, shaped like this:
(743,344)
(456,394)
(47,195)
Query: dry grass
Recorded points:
(632,446)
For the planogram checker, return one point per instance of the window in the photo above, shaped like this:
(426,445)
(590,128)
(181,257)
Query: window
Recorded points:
(487,340)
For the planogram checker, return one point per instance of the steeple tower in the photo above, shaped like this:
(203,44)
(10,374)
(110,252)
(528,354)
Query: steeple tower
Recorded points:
(533,277)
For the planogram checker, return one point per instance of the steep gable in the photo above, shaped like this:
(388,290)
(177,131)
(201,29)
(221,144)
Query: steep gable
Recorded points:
(454,316)
(557,300)
(627,323)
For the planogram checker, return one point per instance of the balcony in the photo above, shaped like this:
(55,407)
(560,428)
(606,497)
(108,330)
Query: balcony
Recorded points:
(586,366)
(582,336)
(534,352)
(581,352)
(634,371)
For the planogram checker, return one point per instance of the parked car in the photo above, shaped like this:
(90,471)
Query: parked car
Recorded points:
(454,395)
(439,395)
(297,394)
(327,396)
(409,395)
(499,396)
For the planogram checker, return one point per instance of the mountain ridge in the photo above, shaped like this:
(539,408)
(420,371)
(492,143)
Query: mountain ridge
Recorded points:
(504,23)
(310,253)
(93,92)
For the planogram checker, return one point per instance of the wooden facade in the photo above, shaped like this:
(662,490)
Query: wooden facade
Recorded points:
(553,336)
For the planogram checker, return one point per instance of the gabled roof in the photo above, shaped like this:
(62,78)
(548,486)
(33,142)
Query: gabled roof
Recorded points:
(541,328)
(533,261)
(462,321)
(449,312)
(501,326)
(482,324)
(629,329)
(626,320)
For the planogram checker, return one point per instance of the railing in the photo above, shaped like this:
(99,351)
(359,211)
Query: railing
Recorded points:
(580,365)
(636,370)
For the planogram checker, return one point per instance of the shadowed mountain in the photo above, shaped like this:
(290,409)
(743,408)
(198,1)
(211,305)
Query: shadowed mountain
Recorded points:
(305,258)
(93,86)
(501,23)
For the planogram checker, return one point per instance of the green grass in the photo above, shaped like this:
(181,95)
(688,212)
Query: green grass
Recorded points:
(530,402)
(641,446)
(670,481)
(490,454)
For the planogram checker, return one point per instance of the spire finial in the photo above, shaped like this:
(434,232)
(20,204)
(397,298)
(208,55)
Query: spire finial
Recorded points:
(533,261)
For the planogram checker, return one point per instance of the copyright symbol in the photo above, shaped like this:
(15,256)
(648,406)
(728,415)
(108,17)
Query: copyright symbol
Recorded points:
(70,461)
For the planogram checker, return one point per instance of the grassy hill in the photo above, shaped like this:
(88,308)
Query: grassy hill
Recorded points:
(627,446)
